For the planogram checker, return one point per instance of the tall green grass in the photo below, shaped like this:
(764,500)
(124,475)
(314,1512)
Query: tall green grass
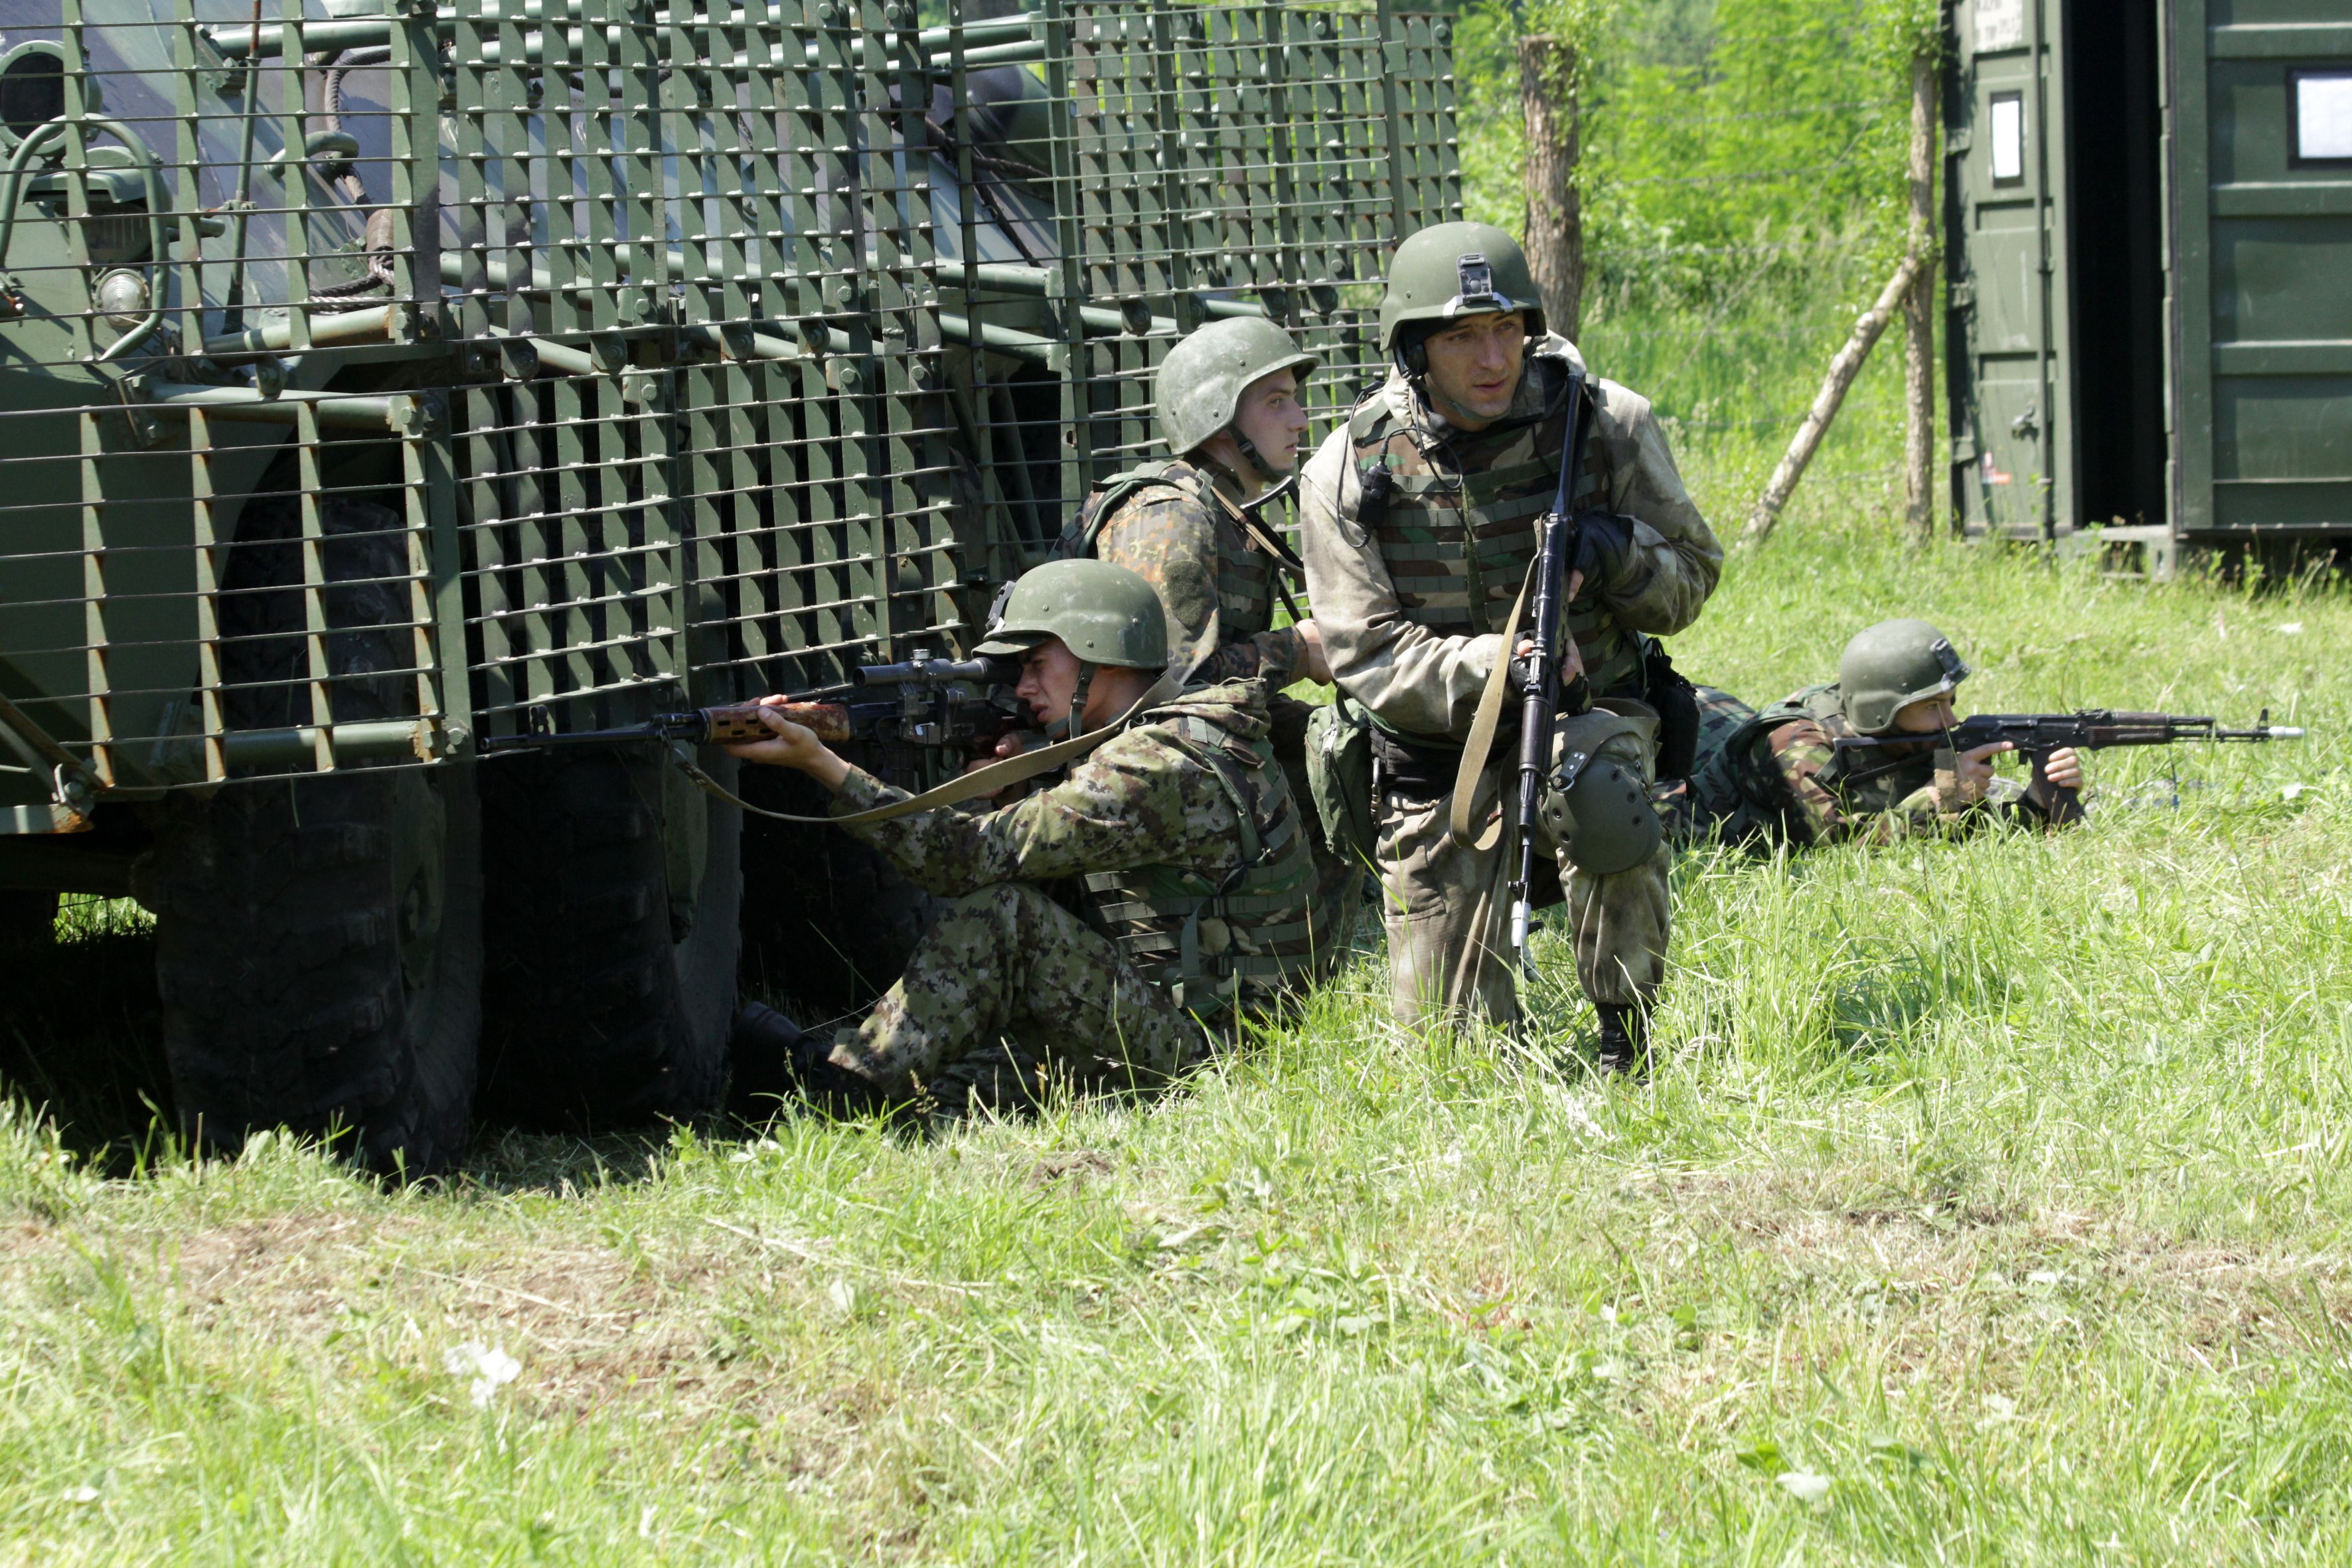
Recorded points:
(1986,1208)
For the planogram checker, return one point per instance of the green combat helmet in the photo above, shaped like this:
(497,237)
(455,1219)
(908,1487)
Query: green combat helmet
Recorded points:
(1202,378)
(1449,270)
(1894,664)
(1102,614)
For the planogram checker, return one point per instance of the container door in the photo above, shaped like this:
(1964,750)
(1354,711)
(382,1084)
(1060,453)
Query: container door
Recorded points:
(2012,411)
(2262,148)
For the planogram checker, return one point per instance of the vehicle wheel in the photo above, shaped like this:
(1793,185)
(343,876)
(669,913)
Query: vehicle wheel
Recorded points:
(317,941)
(28,923)
(318,952)
(829,922)
(615,896)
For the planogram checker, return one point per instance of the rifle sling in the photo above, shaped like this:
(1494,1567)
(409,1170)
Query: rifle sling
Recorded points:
(970,786)
(1481,743)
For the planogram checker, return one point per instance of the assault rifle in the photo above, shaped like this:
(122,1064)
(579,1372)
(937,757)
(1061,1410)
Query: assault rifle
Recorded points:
(1541,699)
(2036,735)
(925,701)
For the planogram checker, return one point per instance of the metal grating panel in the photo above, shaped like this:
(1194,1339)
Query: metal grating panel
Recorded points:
(585,357)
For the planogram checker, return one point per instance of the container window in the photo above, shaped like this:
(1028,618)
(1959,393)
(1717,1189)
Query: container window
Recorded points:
(2323,116)
(2008,139)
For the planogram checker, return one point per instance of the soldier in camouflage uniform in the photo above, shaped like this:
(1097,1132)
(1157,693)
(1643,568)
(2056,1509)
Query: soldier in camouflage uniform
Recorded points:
(1419,523)
(1110,925)
(1229,410)
(1776,777)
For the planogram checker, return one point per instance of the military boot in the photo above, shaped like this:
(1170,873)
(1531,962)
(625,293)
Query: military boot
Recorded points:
(775,1060)
(1625,1040)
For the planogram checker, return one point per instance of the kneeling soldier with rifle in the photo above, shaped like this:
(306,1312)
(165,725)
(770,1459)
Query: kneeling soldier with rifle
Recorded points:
(1880,753)
(1422,523)
(1189,890)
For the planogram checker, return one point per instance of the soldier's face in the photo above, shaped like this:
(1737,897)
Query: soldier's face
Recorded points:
(1271,416)
(1473,367)
(1926,716)
(1049,678)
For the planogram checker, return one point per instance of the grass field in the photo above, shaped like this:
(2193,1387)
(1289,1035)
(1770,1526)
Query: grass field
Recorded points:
(1985,1208)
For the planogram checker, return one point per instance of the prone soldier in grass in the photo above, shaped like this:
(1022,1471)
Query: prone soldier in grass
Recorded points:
(1104,929)
(1779,776)
(1418,524)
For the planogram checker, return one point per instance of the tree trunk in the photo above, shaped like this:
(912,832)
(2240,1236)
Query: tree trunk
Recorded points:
(1919,467)
(1555,211)
(1842,369)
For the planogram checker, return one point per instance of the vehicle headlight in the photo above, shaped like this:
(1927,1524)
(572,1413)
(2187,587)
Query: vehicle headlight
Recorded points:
(123,296)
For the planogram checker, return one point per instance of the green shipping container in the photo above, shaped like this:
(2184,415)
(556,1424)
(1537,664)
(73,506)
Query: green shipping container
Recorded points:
(2149,227)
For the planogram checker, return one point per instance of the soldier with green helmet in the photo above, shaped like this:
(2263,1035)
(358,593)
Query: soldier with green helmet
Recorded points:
(1228,411)
(1104,929)
(1420,522)
(1777,776)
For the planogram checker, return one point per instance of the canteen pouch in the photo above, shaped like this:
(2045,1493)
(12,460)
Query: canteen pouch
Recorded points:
(1339,776)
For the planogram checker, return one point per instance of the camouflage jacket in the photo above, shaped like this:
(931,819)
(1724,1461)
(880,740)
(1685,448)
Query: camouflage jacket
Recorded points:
(1180,533)
(1391,635)
(1181,832)
(1776,774)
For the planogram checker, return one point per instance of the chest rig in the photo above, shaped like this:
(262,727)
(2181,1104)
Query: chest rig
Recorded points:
(1234,940)
(1246,581)
(1461,525)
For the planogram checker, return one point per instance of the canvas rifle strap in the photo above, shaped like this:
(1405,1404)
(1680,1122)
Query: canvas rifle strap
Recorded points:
(1481,744)
(984,781)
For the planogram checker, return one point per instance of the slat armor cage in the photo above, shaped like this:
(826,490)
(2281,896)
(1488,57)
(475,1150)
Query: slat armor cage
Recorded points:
(378,382)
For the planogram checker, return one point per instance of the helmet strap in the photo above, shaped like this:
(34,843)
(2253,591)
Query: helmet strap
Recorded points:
(1073,724)
(1265,474)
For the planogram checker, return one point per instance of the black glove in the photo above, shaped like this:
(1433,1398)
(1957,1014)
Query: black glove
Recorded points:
(1575,694)
(1604,553)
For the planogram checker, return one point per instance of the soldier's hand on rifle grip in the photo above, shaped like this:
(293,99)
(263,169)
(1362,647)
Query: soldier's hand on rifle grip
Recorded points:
(1007,745)
(2058,795)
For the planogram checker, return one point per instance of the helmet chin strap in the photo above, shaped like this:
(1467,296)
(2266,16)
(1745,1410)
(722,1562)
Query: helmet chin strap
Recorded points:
(1073,724)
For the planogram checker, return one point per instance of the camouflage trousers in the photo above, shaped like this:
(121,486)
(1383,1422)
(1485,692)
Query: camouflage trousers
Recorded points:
(1447,909)
(1007,993)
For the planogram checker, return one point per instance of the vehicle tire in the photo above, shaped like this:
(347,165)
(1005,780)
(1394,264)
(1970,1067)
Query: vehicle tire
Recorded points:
(829,921)
(28,924)
(318,941)
(614,944)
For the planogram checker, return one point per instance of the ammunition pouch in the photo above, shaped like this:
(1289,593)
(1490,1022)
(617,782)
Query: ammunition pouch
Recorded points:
(1675,700)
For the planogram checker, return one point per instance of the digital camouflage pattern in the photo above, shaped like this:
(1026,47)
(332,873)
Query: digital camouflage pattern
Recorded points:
(1074,987)
(1182,534)
(1774,776)
(1395,603)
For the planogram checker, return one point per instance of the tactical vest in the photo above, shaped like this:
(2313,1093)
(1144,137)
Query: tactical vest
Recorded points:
(1246,586)
(1435,511)
(1741,793)
(1241,939)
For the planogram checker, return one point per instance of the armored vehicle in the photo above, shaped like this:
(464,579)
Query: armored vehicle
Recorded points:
(392,388)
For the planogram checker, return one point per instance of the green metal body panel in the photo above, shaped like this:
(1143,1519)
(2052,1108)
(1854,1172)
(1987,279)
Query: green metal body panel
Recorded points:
(697,351)
(2264,239)
(2006,197)
(2147,320)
